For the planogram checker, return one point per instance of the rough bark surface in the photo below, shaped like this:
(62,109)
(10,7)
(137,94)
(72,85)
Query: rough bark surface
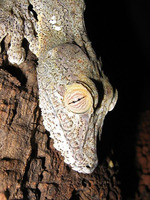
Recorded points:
(30,167)
(143,157)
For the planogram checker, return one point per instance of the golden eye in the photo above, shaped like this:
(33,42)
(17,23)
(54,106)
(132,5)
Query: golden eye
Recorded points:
(78,99)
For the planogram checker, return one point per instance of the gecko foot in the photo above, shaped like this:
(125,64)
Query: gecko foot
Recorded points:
(16,56)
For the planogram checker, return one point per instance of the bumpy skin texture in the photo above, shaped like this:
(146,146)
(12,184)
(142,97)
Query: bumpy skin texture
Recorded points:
(74,94)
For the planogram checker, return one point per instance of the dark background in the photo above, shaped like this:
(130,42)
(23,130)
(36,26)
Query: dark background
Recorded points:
(120,34)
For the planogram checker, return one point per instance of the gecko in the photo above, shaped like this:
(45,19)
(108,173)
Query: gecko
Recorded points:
(74,93)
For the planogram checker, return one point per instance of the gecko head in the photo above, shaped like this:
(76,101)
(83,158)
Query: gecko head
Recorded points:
(79,116)
(74,106)
(79,101)
(89,107)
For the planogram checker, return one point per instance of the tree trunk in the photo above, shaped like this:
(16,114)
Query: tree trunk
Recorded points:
(30,167)
(143,157)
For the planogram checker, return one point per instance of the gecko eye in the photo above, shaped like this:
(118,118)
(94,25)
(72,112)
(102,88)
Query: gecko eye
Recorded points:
(78,99)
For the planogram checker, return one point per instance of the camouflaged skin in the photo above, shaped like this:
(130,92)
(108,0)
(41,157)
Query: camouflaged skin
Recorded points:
(74,93)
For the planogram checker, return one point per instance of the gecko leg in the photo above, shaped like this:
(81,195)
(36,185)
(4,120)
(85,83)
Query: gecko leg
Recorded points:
(3,27)
(16,53)
(2,34)
(30,35)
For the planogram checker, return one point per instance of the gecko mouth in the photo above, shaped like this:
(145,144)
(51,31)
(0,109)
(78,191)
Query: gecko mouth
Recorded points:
(82,162)
(86,169)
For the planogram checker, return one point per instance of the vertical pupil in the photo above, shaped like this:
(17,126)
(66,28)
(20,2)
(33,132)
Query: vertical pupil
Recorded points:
(74,101)
(77,99)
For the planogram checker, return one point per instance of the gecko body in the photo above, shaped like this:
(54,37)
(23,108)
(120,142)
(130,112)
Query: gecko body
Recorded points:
(74,93)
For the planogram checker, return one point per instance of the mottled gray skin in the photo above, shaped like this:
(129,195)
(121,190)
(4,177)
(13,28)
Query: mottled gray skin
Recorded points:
(73,107)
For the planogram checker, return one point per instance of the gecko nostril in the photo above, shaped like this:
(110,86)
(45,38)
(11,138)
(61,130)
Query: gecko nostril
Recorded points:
(87,166)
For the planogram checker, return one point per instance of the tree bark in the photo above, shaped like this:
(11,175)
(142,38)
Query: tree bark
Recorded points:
(143,157)
(30,167)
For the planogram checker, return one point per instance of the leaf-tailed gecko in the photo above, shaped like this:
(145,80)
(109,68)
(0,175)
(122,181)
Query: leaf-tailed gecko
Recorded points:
(74,93)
